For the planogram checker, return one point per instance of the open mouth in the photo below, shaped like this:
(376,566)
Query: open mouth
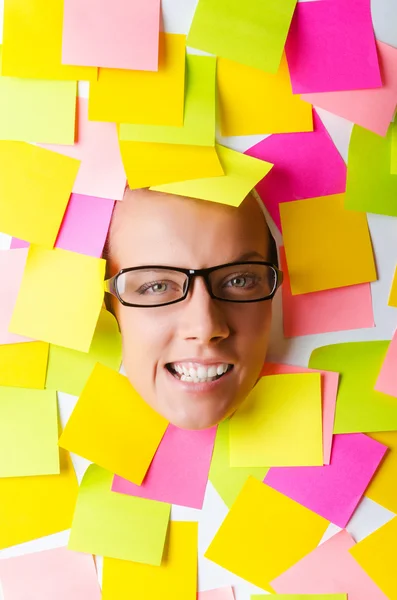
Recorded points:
(191,372)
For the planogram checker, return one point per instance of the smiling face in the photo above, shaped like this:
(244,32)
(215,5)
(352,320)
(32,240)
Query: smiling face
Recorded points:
(167,348)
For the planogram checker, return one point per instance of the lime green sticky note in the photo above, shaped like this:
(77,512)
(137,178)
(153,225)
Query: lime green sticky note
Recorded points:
(252,32)
(28,432)
(199,122)
(359,408)
(24,365)
(68,370)
(60,297)
(228,480)
(35,187)
(370,186)
(117,525)
(242,173)
(53,104)
(393,154)
(279,424)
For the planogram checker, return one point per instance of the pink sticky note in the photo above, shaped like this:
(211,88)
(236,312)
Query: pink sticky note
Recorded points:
(178,473)
(322,312)
(59,573)
(329,390)
(225,593)
(372,109)
(84,227)
(332,491)
(331,47)
(387,379)
(101,172)
(122,34)
(329,569)
(306,165)
(12,265)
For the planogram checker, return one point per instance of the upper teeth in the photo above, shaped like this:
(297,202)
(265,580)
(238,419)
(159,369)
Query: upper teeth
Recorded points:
(196,371)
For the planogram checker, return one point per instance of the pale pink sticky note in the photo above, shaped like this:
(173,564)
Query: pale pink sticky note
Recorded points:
(225,593)
(331,47)
(332,491)
(122,34)
(178,473)
(329,569)
(373,108)
(12,266)
(101,172)
(329,390)
(387,379)
(322,312)
(306,165)
(59,573)
(84,227)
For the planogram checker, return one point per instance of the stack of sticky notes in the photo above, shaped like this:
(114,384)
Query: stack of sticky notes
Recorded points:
(294,495)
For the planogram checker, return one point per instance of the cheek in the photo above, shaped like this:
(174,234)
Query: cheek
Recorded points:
(253,329)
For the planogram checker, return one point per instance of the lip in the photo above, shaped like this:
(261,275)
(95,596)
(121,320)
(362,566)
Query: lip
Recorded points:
(198,388)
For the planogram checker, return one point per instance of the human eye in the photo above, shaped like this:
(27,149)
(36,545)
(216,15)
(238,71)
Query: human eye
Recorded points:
(157,287)
(243,280)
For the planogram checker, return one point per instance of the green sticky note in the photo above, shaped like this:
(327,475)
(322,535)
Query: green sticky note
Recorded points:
(68,370)
(228,480)
(370,186)
(199,122)
(393,156)
(359,407)
(117,525)
(251,32)
(28,432)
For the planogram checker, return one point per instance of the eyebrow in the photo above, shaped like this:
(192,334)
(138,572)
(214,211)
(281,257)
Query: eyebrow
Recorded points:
(248,256)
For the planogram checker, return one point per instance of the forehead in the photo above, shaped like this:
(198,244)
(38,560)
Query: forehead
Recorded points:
(152,227)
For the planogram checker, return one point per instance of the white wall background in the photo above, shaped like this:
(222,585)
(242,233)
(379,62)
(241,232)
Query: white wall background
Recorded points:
(177,15)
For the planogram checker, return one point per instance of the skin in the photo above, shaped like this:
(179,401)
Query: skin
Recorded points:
(153,228)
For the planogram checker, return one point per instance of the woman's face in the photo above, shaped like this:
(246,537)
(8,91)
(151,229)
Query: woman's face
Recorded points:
(161,229)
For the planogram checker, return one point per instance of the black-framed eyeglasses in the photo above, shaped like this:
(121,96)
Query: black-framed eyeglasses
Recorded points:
(155,285)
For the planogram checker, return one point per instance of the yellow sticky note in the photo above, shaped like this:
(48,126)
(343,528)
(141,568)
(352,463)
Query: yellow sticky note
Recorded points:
(326,245)
(174,579)
(113,426)
(383,487)
(28,432)
(35,186)
(376,554)
(149,164)
(53,104)
(117,525)
(32,42)
(145,97)
(241,174)
(254,102)
(264,534)
(393,291)
(60,297)
(199,124)
(24,365)
(228,480)
(279,424)
(33,507)
(68,370)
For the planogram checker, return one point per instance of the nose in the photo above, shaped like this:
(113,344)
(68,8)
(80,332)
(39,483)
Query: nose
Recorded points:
(202,318)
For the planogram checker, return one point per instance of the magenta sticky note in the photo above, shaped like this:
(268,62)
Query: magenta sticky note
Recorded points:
(84,226)
(122,34)
(331,47)
(332,491)
(12,266)
(329,390)
(178,473)
(306,165)
(59,573)
(387,379)
(373,108)
(322,312)
(329,569)
(101,172)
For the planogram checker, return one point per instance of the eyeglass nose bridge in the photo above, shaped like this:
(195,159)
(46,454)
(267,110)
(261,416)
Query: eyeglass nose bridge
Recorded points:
(191,276)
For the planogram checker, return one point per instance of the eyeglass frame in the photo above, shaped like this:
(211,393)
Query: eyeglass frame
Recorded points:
(111,287)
